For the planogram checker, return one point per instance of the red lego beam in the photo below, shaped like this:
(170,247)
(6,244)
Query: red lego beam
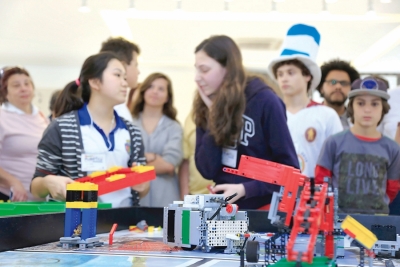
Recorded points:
(274,173)
(131,178)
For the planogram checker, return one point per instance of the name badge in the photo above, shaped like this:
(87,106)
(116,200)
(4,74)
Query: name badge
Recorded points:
(229,157)
(93,162)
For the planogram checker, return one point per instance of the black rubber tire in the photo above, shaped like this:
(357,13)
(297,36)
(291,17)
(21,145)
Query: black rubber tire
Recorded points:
(252,251)
(192,247)
(397,254)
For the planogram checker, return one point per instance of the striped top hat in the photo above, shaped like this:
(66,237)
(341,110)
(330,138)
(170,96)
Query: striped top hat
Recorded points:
(301,43)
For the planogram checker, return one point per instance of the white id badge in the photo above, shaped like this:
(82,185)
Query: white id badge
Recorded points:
(93,162)
(229,157)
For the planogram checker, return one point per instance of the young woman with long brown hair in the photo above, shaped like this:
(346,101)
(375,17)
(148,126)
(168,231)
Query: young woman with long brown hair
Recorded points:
(236,114)
(153,112)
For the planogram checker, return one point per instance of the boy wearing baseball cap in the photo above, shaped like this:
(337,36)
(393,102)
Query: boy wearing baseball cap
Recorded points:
(363,164)
(297,75)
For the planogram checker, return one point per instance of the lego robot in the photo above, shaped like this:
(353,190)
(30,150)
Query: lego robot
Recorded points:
(204,221)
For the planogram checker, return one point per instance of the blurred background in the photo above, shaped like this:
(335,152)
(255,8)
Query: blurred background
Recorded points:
(52,38)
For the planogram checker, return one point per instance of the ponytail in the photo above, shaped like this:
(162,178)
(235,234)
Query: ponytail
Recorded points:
(69,99)
(77,92)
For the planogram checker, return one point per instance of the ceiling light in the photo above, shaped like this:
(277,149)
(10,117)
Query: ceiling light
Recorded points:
(178,5)
(278,1)
(371,11)
(227,2)
(132,5)
(84,8)
(324,11)
(330,1)
(273,8)
(386,1)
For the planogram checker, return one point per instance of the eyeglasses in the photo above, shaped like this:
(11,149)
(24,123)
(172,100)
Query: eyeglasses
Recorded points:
(334,82)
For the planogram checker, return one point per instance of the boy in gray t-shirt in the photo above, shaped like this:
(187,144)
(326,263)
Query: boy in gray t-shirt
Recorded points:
(363,164)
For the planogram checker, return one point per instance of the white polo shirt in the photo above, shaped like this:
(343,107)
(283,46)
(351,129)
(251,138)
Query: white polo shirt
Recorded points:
(309,128)
(115,147)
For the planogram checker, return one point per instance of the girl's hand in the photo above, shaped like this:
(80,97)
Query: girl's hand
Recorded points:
(18,191)
(57,186)
(230,189)
(205,98)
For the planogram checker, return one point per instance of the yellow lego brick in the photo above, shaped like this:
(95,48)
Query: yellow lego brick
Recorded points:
(115,177)
(82,186)
(80,205)
(142,169)
(114,169)
(362,234)
(97,174)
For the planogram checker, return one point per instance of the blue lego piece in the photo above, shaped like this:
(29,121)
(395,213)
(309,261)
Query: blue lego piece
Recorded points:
(89,220)
(72,220)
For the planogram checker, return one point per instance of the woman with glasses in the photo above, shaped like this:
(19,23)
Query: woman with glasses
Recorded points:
(21,128)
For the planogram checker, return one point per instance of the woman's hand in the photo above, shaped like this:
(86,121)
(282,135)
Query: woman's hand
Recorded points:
(205,98)
(57,186)
(150,157)
(230,189)
(18,191)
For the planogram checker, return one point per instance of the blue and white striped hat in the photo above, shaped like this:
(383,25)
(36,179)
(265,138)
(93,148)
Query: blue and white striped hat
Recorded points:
(301,43)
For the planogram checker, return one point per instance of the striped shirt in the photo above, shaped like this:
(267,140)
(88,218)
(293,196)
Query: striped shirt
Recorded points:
(61,147)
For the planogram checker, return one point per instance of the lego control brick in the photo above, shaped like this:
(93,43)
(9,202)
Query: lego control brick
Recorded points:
(217,231)
(196,221)
(177,233)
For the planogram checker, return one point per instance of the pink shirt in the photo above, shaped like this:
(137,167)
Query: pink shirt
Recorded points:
(20,134)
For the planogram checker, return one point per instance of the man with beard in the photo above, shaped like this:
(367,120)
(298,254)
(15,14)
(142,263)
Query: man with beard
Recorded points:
(336,80)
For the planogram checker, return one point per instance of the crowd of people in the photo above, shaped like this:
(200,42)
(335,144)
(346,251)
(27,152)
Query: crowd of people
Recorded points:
(104,118)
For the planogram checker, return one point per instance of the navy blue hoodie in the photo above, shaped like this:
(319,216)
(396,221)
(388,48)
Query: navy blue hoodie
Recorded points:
(265,136)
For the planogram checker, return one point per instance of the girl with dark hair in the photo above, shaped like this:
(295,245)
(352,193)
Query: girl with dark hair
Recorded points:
(87,134)
(153,112)
(21,127)
(235,115)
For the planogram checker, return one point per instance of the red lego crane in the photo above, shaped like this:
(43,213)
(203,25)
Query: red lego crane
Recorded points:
(314,212)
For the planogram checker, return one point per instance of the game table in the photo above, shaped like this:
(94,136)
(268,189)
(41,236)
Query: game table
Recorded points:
(31,240)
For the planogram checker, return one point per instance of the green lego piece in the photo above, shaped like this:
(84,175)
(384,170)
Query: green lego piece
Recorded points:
(28,208)
(317,262)
(185,227)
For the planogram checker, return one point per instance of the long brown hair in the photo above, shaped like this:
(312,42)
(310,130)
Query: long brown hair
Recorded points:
(224,119)
(138,104)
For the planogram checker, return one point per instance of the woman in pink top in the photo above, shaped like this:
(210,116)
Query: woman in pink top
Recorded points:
(21,128)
